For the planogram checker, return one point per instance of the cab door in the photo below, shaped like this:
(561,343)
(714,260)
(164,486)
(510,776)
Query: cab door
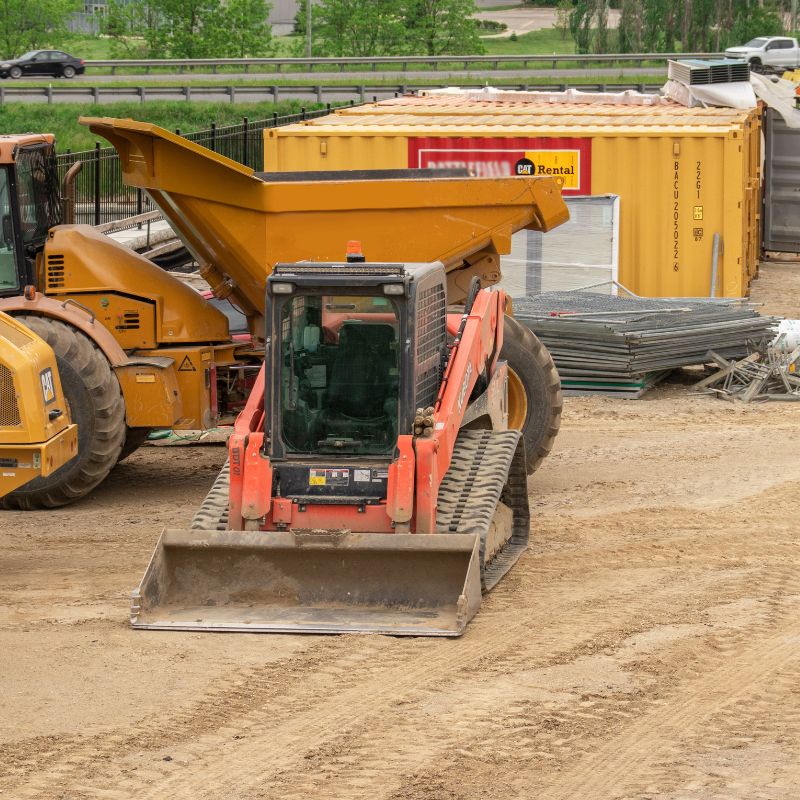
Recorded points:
(9,273)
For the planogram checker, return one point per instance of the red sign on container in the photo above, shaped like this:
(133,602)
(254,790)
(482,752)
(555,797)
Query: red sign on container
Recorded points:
(499,157)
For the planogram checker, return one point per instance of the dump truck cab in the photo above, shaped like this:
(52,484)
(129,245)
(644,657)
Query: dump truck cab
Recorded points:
(29,206)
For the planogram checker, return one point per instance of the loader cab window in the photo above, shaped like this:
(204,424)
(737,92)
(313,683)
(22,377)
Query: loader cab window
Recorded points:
(339,374)
(9,278)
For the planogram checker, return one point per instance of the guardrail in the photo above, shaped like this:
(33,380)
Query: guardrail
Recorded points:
(373,62)
(319,93)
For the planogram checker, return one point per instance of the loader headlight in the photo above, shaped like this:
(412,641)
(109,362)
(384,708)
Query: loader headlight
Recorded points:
(394,288)
(282,288)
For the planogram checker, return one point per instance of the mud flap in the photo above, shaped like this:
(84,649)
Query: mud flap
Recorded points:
(311,582)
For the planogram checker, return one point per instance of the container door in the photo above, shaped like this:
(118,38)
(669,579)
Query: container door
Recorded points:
(781,185)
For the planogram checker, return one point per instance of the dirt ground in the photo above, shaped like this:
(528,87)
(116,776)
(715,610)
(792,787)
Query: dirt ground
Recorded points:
(647,645)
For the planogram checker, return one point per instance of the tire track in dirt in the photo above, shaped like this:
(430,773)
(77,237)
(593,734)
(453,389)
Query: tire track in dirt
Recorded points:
(277,708)
(342,662)
(216,764)
(457,719)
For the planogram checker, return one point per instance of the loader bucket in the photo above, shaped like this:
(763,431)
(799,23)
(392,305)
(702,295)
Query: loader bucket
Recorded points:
(315,582)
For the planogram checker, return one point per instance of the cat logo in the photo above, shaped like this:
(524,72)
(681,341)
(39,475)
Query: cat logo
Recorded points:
(48,386)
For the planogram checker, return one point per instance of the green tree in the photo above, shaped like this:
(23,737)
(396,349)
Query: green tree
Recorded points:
(358,28)
(563,10)
(32,24)
(134,29)
(437,27)
(753,18)
(601,26)
(630,27)
(190,28)
(243,30)
(580,24)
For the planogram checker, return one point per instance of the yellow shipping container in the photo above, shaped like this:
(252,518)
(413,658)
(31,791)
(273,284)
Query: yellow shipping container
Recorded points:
(682,174)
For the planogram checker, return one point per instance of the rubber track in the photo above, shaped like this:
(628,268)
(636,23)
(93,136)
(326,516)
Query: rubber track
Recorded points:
(213,512)
(487,467)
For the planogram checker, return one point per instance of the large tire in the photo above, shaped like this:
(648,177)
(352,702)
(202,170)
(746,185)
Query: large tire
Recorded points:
(95,403)
(756,65)
(15,72)
(134,439)
(534,390)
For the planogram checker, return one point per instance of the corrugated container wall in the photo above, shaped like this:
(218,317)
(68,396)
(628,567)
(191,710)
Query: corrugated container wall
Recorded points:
(682,174)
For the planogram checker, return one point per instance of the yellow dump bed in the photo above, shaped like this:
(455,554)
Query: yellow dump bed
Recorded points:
(239,223)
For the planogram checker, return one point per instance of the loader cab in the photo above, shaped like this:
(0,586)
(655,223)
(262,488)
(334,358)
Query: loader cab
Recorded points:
(30,204)
(353,350)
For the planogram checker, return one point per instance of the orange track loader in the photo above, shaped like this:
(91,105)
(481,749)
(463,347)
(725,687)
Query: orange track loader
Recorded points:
(373,484)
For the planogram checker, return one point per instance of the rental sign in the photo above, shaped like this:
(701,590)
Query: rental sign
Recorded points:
(565,157)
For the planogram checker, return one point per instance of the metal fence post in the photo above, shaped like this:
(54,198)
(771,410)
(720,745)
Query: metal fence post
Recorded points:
(245,142)
(97,183)
(214,136)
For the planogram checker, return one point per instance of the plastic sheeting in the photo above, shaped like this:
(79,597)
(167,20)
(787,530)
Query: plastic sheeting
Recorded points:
(581,252)
(725,95)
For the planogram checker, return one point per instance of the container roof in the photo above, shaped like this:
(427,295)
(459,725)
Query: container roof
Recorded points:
(506,112)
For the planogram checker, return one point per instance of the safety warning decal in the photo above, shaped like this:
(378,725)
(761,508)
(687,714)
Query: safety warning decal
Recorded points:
(329,477)
(186,365)
(569,158)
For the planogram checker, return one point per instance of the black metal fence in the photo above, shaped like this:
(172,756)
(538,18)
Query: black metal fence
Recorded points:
(101,196)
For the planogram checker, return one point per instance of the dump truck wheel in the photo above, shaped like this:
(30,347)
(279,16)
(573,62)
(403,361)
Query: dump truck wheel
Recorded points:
(534,391)
(95,403)
(134,439)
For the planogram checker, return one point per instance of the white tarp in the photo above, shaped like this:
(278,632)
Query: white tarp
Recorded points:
(775,92)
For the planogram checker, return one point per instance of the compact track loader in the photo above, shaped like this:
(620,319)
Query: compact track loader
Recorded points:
(36,435)
(373,484)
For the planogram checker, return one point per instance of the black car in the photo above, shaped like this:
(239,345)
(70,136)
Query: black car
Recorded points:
(43,62)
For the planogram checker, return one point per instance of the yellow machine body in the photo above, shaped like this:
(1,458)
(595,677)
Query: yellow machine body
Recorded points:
(36,434)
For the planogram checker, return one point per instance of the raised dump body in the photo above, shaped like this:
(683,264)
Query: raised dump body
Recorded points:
(238,223)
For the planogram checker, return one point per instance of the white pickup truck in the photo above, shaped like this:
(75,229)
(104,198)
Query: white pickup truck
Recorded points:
(768,53)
